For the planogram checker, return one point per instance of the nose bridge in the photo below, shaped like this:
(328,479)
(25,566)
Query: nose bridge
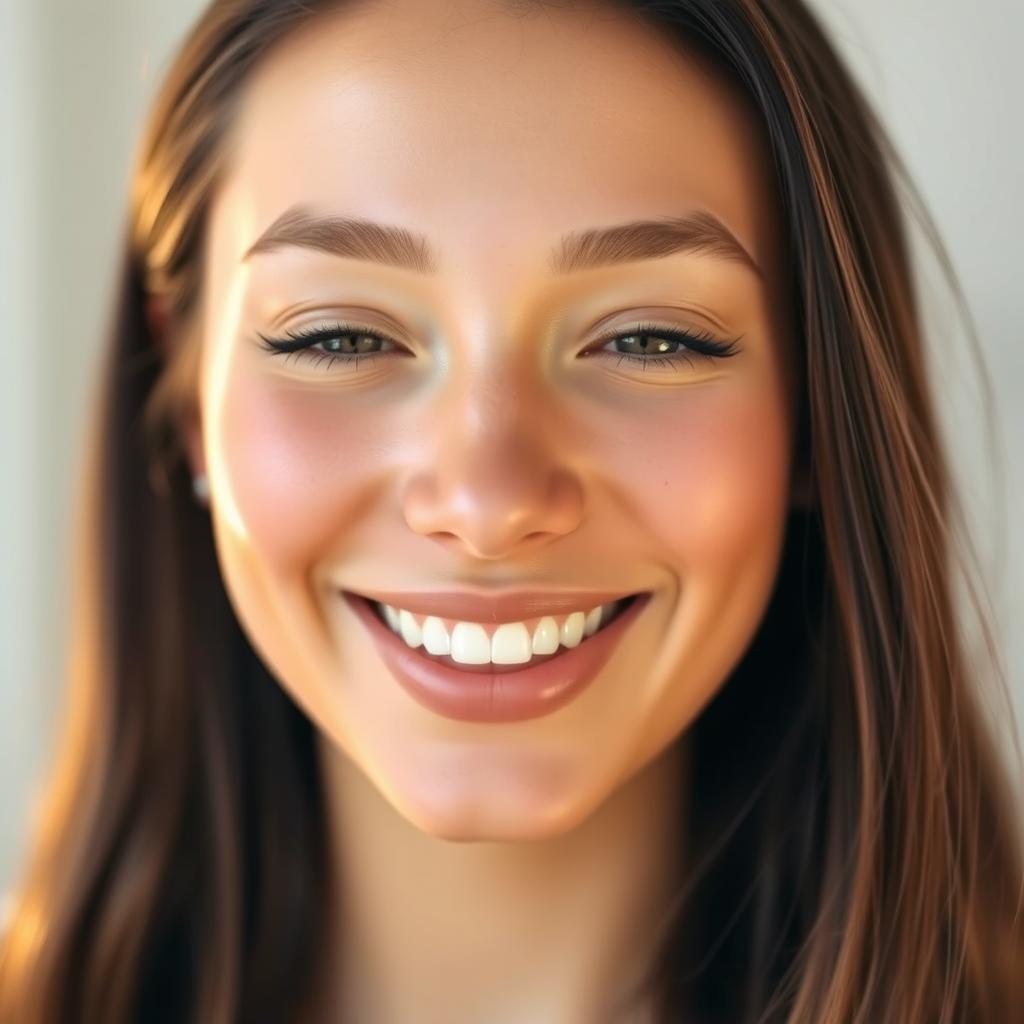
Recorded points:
(494,428)
(496,474)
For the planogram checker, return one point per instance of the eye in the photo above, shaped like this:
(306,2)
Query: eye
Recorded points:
(667,347)
(335,343)
(654,344)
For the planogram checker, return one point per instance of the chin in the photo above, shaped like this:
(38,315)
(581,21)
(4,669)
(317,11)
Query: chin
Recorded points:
(511,805)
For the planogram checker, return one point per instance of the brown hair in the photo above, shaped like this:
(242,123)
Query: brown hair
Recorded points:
(856,855)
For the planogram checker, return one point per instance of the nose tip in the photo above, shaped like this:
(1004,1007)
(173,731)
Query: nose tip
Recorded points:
(496,515)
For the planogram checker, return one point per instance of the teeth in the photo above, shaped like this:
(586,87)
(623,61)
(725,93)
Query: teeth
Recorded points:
(409,628)
(470,645)
(545,636)
(511,644)
(392,616)
(572,629)
(435,636)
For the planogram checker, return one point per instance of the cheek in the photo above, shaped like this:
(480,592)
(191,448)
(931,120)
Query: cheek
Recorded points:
(295,460)
(711,479)
(711,471)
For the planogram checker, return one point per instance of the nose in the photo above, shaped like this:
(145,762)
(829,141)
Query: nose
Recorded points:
(499,481)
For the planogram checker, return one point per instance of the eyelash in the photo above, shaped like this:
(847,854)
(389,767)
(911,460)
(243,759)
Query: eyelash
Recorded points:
(300,344)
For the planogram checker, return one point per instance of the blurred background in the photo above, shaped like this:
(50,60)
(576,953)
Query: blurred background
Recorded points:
(76,77)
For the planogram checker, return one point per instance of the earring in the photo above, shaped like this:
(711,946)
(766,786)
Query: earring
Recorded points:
(201,488)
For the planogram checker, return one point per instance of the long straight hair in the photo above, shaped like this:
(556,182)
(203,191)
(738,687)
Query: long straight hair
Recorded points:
(855,851)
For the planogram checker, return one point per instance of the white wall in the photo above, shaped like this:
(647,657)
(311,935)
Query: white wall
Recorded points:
(75,79)
(21,477)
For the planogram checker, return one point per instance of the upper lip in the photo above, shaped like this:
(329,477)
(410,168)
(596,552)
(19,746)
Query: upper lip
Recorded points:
(510,606)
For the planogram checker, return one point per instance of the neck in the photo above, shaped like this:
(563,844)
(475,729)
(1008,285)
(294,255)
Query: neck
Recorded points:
(560,928)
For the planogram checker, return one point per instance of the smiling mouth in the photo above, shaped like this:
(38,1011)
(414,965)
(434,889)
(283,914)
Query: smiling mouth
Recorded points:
(509,690)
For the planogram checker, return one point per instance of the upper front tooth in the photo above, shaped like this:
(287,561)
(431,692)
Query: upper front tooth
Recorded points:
(470,644)
(511,644)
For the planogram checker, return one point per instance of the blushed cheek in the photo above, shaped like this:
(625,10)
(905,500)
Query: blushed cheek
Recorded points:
(298,462)
(710,476)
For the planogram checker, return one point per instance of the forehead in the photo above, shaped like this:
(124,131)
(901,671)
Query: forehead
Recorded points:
(474,125)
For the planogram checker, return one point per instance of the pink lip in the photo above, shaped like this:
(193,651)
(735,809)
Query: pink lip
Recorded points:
(511,606)
(499,693)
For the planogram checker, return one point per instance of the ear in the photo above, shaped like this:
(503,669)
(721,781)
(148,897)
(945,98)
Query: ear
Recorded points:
(164,329)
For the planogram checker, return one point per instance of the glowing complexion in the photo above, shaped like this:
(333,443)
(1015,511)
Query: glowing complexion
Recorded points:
(482,443)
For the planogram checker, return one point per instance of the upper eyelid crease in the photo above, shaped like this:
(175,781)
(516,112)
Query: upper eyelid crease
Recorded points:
(697,232)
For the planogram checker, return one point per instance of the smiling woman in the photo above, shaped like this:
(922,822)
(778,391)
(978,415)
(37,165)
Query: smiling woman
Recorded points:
(529,598)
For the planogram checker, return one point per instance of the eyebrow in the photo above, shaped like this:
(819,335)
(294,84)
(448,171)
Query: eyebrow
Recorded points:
(697,232)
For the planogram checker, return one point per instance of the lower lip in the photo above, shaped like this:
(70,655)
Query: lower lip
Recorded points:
(501,696)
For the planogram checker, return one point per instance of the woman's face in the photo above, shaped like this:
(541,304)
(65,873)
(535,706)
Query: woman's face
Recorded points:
(493,442)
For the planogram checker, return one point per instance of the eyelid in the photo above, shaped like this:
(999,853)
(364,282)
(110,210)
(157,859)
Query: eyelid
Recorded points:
(690,316)
(352,319)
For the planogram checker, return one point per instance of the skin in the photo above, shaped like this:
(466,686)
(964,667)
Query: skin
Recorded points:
(514,871)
